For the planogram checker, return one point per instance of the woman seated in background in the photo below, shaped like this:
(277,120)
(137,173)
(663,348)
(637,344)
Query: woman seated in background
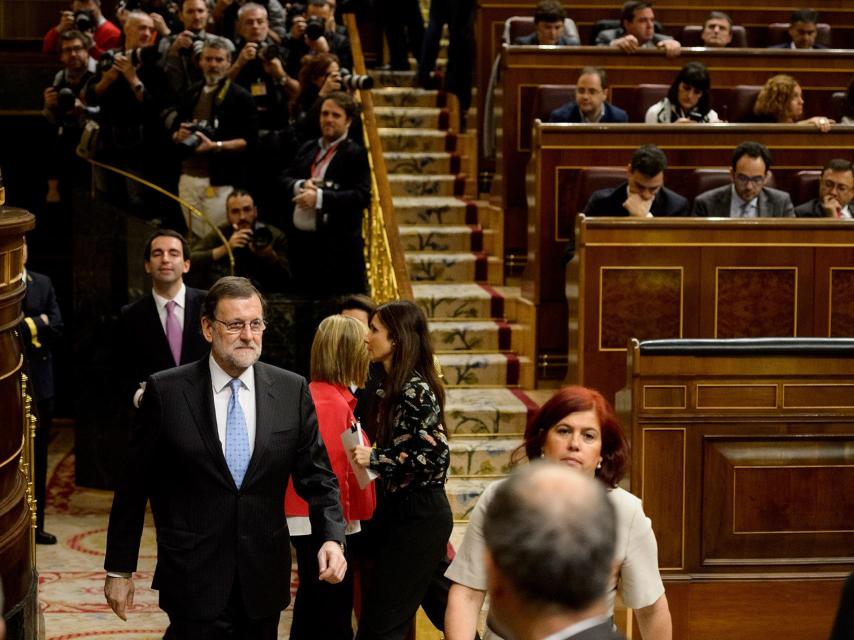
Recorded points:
(781,100)
(577,427)
(688,99)
(339,357)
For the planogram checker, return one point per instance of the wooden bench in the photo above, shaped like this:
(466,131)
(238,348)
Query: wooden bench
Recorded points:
(524,69)
(743,454)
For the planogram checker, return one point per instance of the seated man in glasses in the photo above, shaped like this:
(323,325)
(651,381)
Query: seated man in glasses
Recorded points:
(747,197)
(835,193)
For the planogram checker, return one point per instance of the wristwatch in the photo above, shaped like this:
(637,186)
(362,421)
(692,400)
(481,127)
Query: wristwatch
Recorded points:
(219,146)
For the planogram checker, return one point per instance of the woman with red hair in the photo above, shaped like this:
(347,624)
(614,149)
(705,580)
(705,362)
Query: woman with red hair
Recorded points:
(576,427)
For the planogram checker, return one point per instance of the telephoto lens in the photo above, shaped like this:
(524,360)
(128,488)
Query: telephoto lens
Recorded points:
(352,81)
(262,237)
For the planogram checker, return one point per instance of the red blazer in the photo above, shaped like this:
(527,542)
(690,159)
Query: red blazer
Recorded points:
(334,406)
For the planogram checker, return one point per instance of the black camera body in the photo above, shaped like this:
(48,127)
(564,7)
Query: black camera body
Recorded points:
(192,142)
(138,57)
(296,9)
(315,27)
(65,101)
(353,82)
(84,21)
(261,238)
(269,51)
(196,46)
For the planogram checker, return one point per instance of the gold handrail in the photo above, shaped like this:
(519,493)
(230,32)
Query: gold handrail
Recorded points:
(387,275)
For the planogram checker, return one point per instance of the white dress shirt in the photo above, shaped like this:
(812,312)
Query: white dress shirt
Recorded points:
(222,394)
(180,298)
(737,208)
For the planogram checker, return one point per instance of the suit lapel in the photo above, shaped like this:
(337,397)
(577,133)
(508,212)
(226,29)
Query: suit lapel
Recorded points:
(264,412)
(761,203)
(191,305)
(153,320)
(199,395)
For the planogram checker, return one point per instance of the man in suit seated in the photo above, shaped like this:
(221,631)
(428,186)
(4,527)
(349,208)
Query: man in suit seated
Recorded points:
(638,31)
(803,30)
(591,101)
(717,30)
(747,196)
(550,537)
(162,329)
(552,26)
(835,193)
(213,449)
(643,195)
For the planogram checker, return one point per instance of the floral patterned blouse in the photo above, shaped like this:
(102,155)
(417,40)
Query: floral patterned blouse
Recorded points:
(419,455)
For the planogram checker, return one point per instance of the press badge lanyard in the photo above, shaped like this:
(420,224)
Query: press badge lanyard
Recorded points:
(321,162)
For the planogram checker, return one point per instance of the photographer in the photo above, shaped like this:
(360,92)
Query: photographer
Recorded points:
(131,90)
(260,250)
(309,34)
(226,20)
(163,12)
(85,16)
(64,109)
(181,51)
(218,123)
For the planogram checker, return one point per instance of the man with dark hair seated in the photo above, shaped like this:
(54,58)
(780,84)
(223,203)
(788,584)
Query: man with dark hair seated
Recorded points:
(591,101)
(551,24)
(747,197)
(638,31)
(835,193)
(717,30)
(803,30)
(643,195)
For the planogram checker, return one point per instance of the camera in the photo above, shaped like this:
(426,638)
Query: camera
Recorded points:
(195,49)
(65,101)
(269,51)
(352,81)
(84,21)
(296,9)
(137,57)
(192,141)
(262,237)
(315,27)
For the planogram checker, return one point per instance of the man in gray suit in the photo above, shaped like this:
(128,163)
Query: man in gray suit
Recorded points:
(747,196)
(550,535)
(835,193)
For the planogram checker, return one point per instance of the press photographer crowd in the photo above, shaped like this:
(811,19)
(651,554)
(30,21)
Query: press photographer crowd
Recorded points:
(244,110)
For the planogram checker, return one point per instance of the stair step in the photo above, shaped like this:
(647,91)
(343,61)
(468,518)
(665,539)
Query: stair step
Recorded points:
(485,413)
(434,211)
(486,458)
(463,495)
(474,335)
(447,238)
(407,97)
(394,139)
(422,163)
(483,369)
(393,78)
(442,300)
(454,267)
(404,185)
(412,117)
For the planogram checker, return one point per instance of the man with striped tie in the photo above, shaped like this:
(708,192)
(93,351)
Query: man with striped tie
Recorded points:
(212,449)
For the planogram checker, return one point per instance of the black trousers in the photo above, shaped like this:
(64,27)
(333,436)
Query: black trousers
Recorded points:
(44,421)
(321,610)
(403,25)
(412,537)
(232,624)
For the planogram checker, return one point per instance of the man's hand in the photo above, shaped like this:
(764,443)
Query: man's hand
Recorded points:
(637,206)
(240,238)
(831,206)
(119,594)
(44,318)
(298,27)
(124,66)
(182,133)
(206,145)
(249,52)
(628,43)
(307,197)
(332,563)
(274,69)
(183,40)
(318,46)
(672,48)
(66,21)
(50,98)
(160,25)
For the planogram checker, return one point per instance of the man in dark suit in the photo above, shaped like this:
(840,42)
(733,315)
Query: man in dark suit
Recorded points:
(550,536)
(551,26)
(330,183)
(39,330)
(747,196)
(803,30)
(835,193)
(637,31)
(213,448)
(591,101)
(163,329)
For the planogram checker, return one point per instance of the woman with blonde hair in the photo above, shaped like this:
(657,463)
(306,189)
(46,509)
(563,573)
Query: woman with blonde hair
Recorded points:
(339,358)
(781,100)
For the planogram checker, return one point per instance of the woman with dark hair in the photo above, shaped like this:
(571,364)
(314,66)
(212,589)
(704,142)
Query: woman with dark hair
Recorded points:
(688,99)
(781,101)
(319,76)
(413,521)
(576,427)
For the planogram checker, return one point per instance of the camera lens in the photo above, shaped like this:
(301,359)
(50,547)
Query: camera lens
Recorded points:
(314,28)
(65,100)
(262,237)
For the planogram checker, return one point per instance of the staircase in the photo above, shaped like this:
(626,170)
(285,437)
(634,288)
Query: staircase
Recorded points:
(481,330)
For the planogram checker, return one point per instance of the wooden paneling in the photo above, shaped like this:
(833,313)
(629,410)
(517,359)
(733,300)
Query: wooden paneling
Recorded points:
(756,302)
(664,456)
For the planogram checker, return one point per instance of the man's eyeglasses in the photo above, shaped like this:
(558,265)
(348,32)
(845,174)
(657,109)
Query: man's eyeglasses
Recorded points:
(75,49)
(841,189)
(236,326)
(746,180)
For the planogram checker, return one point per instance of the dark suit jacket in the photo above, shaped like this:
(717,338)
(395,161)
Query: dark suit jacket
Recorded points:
(813,209)
(209,532)
(40,299)
(531,39)
(142,343)
(604,631)
(715,203)
(570,112)
(331,260)
(609,202)
(788,45)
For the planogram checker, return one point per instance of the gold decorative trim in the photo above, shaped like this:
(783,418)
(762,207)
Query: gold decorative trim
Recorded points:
(758,268)
(783,466)
(684,466)
(17,368)
(666,386)
(742,386)
(678,268)
(815,384)
(16,455)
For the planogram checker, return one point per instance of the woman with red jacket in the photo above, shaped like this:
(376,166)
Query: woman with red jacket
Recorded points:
(339,358)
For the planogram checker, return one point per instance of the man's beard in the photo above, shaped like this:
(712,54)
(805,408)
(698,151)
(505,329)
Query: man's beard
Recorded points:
(212,78)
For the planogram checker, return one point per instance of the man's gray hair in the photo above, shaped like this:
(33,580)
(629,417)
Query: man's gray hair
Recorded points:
(551,532)
(250,6)
(216,42)
(135,16)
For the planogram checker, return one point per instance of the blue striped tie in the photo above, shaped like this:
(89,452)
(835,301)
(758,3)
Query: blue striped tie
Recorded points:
(236,437)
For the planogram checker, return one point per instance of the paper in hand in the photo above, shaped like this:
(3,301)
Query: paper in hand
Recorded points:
(352,437)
